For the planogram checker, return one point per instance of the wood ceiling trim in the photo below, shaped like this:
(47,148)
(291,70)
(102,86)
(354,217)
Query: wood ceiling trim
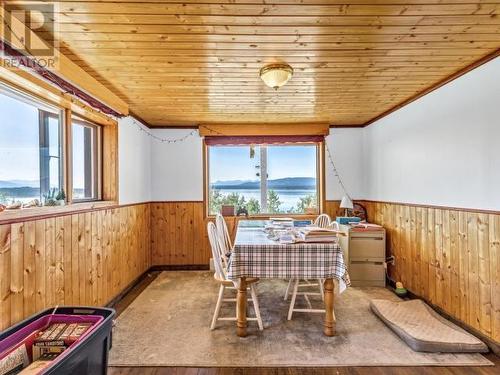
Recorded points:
(263,129)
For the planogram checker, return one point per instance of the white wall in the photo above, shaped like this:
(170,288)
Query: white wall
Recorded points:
(346,147)
(134,162)
(442,149)
(177,169)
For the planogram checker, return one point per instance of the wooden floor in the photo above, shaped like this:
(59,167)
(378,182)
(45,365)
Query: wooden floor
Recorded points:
(134,292)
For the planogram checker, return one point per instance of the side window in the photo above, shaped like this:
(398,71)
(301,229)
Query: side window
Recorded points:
(85,157)
(30,148)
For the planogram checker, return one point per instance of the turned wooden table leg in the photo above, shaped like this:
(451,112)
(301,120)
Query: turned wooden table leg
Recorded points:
(241,309)
(329,325)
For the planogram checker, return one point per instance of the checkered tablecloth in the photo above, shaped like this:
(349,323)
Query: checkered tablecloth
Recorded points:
(255,255)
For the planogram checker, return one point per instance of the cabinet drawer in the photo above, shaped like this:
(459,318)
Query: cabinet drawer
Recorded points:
(366,271)
(367,247)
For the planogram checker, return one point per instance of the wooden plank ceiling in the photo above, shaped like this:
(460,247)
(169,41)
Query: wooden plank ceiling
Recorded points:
(191,62)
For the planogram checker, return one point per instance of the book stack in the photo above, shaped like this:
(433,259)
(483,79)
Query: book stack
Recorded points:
(361,227)
(279,224)
(57,338)
(317,234)
(283,222)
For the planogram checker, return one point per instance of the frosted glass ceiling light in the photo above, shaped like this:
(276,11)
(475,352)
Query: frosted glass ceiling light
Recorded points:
(276,75)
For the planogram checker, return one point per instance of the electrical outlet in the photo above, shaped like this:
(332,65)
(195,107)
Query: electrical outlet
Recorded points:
(391,260)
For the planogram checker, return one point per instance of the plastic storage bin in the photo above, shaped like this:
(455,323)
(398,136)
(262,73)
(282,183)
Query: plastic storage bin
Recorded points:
(87,356)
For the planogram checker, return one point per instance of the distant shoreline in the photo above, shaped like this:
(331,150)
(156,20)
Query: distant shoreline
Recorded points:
(231,187)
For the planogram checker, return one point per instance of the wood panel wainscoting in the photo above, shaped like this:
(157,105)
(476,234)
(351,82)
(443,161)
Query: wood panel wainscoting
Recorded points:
(82,258)
(179,232)
(449,257)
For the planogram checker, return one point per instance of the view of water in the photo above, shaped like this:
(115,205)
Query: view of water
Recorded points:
(288,197)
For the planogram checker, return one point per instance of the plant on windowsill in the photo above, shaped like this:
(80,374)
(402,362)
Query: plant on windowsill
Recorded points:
(61,197)
(54,197)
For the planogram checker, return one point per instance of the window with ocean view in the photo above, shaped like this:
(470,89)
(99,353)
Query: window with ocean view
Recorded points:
(30,148)
(264,179)
(45,159)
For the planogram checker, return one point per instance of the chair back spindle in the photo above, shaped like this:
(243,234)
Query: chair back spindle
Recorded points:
(220,261)
(334,225)
(223,232)
(322,221)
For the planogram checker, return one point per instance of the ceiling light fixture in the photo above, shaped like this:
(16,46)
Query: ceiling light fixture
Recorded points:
(276,75)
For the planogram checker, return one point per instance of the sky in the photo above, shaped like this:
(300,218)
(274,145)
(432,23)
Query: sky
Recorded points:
(234,163)
(19,154)
(19,143)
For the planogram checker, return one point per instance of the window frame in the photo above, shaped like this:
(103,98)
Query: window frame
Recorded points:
(50,109)
(45,110)
(44,142)
(320,182)
(97,159)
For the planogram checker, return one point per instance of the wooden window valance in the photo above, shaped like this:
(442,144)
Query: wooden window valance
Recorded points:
(261,140)
(264,130)
(56,80)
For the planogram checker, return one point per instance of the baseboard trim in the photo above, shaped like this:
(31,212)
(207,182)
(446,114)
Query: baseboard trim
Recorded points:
(180,267)
(158,268)
(127,289)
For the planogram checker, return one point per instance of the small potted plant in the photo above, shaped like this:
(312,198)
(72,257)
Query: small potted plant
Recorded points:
(49,198)
(61,197)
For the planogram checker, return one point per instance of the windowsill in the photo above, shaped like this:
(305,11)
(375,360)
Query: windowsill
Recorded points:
(267,217)
(36,213)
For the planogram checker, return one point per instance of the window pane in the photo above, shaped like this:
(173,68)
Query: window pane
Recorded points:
(290,186)
(84,160)
(29,149)
(292,176)
(231,169)
(54,152)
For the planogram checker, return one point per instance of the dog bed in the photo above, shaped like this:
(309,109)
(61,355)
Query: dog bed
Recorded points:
(423,329)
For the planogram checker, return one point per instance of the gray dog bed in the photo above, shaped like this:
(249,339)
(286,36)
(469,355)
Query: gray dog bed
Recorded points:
(423,329)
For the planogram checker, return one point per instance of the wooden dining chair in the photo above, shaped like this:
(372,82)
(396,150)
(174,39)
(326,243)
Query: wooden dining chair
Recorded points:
(334,225)
(322,221)
(223,233)
(294,285)
(220,275)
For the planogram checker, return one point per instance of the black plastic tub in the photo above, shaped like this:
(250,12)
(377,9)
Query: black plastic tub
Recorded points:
(90,355)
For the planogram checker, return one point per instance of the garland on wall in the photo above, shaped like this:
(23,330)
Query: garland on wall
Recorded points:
(336,172)
(195,132)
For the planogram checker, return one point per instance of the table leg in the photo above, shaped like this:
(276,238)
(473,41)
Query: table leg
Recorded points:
(241,309)
(329,324)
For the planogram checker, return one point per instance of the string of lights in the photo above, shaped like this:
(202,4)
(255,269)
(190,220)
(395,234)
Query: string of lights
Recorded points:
(194,132)
(335,171)
(164,140)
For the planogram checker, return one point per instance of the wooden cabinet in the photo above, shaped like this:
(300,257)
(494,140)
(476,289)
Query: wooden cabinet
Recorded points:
(364,253)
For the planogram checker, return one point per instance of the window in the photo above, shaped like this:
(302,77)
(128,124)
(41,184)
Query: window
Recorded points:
(30,148)
(33,165)
(85,157)
(264,179)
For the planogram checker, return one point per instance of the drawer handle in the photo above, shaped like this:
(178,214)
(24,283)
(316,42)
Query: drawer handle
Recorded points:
(367,238)
(366,262)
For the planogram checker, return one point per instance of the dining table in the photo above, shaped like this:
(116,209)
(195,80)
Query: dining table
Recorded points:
(258,254)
